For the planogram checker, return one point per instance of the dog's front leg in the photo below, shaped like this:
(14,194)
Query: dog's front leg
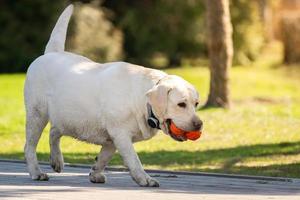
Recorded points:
(124,145)
(96,175)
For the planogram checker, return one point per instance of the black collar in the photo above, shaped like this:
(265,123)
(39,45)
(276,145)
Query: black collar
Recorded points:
(152,120)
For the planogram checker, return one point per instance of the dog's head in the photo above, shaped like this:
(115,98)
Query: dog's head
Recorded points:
(175,100)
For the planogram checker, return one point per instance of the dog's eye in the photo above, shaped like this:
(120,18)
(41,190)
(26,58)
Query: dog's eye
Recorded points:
(182,105)
(196,104)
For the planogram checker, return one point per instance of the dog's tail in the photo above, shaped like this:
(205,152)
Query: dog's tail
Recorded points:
(57,39)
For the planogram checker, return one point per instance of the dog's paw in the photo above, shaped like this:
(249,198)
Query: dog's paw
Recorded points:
(97,177)
(57,163)
(152,182)
(40,177)
(146,181)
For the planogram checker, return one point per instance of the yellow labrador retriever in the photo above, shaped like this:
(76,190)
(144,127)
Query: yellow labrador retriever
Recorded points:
(112,104)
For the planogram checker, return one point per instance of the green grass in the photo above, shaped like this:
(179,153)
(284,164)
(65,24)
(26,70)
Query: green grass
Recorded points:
(259,135)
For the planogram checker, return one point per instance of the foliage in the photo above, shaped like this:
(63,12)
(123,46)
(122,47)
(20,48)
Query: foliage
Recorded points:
(160,27)
(25,28)
(93,36)
(151,30)
(177,30)
(259,135)
(248,37)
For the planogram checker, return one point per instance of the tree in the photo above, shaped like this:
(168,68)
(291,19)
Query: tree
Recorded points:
(220,51)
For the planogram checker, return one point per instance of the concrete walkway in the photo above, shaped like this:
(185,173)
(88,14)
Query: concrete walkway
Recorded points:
(73,184)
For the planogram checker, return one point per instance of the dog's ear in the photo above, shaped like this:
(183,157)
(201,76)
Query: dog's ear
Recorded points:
(158,99)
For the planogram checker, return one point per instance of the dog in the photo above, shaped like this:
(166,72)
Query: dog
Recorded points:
(113,105)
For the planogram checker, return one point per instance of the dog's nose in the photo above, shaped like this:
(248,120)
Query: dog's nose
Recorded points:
(197,124)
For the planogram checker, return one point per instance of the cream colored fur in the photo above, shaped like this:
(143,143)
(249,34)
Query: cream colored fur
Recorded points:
(103,104)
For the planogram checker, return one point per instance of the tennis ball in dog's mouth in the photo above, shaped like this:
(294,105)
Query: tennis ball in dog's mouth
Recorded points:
(193,135)
(175,130)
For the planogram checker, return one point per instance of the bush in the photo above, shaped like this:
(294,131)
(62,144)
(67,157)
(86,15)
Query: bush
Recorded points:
(25,29)
(93,36)
(160,28)
(248,37)
(163,31)
(177,30)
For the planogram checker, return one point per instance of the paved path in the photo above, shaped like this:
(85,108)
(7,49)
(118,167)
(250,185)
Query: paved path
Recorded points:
(73,184)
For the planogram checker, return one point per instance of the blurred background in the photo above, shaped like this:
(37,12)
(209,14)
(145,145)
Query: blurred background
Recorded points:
(260,132)
(158,33)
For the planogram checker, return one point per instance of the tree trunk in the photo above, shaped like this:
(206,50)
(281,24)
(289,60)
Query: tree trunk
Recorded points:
(220,51)
(290,30)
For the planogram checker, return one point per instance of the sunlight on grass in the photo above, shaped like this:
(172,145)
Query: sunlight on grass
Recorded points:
(260,134)
(269,160)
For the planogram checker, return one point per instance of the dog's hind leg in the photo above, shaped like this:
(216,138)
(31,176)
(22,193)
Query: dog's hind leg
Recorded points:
(96,175)
(35,124)
(56,157)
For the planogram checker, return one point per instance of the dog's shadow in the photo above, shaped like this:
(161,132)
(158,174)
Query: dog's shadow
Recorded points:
(75,179)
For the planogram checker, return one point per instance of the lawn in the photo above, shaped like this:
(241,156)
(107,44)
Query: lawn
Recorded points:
(259,135)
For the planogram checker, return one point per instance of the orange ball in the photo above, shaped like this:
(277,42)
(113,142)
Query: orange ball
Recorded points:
(193,135)
(175,130)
